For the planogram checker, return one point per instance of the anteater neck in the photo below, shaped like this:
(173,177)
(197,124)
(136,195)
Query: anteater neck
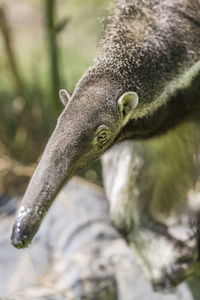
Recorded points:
(183,105)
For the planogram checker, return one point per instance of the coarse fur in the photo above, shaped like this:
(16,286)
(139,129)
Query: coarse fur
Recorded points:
(147,49)
(150,51)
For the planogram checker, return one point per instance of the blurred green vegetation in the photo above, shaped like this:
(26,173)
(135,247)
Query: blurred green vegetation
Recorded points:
(29,105)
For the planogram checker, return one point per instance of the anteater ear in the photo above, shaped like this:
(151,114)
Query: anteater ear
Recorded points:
(127,102)
(64,96)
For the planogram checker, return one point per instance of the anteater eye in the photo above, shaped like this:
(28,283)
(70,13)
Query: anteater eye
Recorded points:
(102,135)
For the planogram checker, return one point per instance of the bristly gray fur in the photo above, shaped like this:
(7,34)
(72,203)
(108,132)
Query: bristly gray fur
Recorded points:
(149,44)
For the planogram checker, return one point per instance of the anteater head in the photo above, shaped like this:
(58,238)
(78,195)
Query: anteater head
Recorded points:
(89,124)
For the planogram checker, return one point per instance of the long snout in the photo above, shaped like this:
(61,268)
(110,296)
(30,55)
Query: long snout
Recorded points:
(56,166)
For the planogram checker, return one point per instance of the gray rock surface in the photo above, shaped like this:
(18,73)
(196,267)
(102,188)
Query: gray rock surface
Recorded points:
(77,254)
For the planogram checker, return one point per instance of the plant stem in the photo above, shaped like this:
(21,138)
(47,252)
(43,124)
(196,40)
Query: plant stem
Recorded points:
(4,28)
(53,52)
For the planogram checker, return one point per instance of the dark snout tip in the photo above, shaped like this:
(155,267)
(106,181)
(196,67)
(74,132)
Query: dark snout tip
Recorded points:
(16,240)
